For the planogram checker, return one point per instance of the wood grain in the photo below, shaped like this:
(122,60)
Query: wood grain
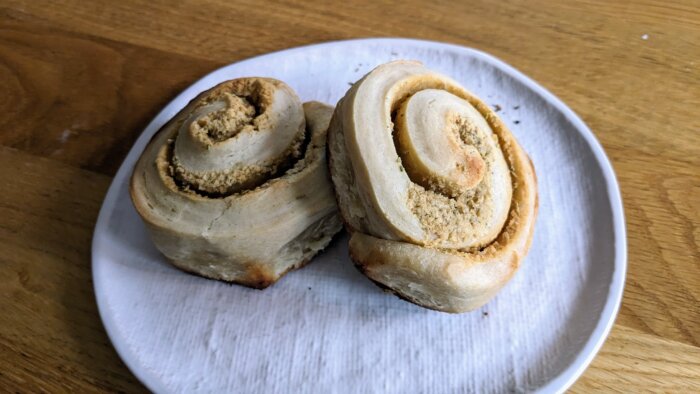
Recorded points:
(80,80)
(51,338)
(80,99)
(635,362)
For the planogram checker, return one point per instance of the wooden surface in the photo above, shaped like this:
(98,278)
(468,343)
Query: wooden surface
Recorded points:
(80,80)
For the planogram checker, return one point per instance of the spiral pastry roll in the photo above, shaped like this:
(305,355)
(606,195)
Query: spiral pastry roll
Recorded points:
(236,187)
(438,196)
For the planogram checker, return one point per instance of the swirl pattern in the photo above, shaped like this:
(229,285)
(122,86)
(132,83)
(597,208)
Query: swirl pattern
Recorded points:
(236,139)
(236,187)
(438,196)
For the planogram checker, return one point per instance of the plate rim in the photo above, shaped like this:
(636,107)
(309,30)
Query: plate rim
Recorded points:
(608,314)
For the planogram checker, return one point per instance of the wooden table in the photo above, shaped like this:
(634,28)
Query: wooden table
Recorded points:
(80,80)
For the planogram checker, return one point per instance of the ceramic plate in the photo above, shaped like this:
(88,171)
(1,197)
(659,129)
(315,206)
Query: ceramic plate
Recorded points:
(326,328)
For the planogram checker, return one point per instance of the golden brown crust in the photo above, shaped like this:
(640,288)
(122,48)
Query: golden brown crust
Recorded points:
(255,277)
(444,278)
(253,236)
(361,265)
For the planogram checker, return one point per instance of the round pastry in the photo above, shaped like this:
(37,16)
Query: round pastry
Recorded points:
(235,187)
(439,198)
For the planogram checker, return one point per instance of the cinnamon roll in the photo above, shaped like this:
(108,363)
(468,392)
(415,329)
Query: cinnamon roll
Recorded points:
(439,198)
(236,187)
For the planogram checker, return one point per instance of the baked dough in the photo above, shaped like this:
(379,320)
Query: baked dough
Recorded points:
(236,187)
(439,198)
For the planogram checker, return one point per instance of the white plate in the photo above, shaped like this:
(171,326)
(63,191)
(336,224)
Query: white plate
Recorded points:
(326,328)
